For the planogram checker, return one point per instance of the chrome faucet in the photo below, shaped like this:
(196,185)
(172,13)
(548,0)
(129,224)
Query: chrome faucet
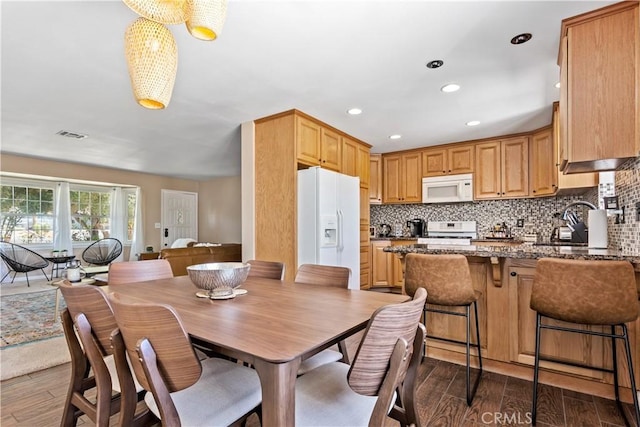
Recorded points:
(570,216)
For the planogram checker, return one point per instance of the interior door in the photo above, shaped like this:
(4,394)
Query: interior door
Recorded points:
(179,216)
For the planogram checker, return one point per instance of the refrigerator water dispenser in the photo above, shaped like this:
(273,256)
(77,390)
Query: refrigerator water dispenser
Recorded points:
(329,231)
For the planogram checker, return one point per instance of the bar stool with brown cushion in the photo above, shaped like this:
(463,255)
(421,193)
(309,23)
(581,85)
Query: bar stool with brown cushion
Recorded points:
(266,269)
(587,293)
(324,275)
(447,280)
(97,362)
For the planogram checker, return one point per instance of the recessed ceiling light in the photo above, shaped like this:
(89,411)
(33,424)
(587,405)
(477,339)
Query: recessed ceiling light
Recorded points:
(521,38)
(451,87)
(473,123)
(396,136)
(436,63)
(558,85)
(354,111)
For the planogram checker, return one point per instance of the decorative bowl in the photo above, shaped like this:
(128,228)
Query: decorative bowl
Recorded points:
(218,278)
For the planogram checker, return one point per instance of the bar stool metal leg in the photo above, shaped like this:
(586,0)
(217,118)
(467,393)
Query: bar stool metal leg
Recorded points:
(536,366)
(477,382)
(631,377)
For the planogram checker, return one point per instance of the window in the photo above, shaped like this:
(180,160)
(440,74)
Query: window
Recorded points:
(90,214)
(26,213)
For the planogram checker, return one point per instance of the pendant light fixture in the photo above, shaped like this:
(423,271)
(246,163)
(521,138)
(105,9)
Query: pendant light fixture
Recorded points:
(152,59)
(207,18)
(163,11)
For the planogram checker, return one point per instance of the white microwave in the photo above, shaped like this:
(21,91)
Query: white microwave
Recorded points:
(447,189)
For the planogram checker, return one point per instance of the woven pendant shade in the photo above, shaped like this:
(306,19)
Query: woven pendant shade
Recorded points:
(207,18)
(162,11)
(152,58)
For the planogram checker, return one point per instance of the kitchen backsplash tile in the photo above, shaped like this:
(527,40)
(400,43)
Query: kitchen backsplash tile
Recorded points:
(538,213)
(627,235)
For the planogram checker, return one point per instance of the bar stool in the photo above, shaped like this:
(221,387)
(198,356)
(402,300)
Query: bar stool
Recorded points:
(447,280)
(588,293)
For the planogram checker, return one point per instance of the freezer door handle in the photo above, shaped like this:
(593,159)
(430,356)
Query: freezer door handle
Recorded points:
(340,231)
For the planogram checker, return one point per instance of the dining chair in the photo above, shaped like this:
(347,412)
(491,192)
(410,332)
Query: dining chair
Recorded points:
(378,380)
(21,260)
(324,275)
(266,269)
(138,271)
(182,389)
(88,323)
(102,252)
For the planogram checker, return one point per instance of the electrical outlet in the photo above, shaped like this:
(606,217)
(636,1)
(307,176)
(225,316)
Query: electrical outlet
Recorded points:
(637,211)
(520,222)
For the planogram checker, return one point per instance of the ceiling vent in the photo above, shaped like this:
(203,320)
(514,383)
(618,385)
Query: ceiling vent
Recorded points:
(71,134)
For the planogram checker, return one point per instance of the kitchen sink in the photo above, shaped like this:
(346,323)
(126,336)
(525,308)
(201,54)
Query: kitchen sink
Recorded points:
(559,244)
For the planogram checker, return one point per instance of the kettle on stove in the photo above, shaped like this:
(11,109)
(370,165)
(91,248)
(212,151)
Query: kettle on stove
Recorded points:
(385,230)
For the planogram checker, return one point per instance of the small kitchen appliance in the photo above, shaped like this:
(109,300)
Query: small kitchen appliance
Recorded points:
(416,227)
(447,189)
(385,230)
(450,233)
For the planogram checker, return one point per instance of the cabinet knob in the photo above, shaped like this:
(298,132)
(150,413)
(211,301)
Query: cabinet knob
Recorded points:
(498,194)
(513,274)
(534,191)
(444,171)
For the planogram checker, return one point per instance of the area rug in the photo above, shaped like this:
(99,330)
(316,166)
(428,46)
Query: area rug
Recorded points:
(29,317)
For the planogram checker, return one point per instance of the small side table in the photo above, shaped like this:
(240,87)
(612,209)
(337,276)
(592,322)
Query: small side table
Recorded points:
(56,261)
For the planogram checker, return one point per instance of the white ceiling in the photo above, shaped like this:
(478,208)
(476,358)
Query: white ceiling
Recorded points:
(63,68)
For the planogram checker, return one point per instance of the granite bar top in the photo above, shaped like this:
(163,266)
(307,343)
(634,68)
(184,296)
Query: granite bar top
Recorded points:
(394,238)
(523,251)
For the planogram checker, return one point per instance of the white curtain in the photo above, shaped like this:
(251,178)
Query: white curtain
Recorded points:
(62,221)
(118,218)
(137,242)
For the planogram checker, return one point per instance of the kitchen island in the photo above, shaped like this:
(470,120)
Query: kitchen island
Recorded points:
(504,274)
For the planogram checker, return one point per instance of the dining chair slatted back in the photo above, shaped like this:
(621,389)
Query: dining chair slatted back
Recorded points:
(102,252)
(88,324)
(387,324)
(381,382)
(160,325)
(266,269)
(21,260)
(212,392)
(326,275)
(139,271)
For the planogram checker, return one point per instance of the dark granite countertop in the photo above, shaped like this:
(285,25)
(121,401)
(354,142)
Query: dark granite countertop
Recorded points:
(523,251)
(393,238)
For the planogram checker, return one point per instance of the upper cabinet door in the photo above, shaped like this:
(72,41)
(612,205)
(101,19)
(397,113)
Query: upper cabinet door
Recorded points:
(603,96)
(375,181)
(515,167)
(411,172)
(392,181)
(330,149)
(308,141)
(434,162)
(461,159)
(349,157)
(543,170)
(487,182)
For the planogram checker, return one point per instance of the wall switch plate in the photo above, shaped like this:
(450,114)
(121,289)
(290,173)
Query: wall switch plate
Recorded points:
(520,222)
(157,225)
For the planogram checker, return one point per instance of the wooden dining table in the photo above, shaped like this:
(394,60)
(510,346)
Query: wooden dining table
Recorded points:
(274,326)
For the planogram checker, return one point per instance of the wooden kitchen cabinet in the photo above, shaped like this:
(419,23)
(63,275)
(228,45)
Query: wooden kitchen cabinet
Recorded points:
(386,267)
(543,176)
(355,160)
(317,145)
(599,88)
(448,161)
(568,183)
(402,178)
(284,143)
(502,169)
(375,179)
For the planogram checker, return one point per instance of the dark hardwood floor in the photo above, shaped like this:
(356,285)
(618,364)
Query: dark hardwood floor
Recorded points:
(37,399)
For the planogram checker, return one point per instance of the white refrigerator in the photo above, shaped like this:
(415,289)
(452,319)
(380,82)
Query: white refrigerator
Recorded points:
(329,220)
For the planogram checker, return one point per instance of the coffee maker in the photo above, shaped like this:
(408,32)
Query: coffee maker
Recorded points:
(416,227)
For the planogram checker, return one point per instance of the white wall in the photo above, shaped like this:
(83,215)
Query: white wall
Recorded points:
(247,166)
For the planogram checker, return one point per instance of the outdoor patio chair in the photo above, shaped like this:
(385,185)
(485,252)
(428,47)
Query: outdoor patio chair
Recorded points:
(102,252)
(21,260)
